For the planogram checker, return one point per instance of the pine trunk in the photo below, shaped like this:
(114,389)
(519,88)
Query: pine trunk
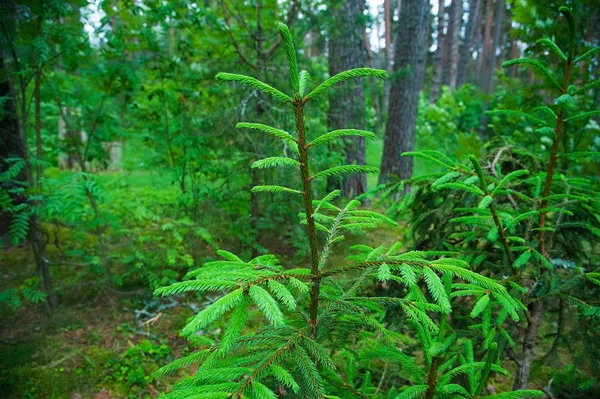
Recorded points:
(409,67)
(485,74)
(347,101)
(466,49)
(436,80)
(496,37)
(450,55)
(454,42)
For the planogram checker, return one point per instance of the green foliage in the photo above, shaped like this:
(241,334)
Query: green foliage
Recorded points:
(519,210)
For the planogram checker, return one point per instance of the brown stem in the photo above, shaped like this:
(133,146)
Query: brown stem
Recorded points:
(312,232)
(502,235)
(536,308)
(432,379)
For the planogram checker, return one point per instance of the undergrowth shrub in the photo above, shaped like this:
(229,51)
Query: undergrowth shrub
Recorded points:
(527,213)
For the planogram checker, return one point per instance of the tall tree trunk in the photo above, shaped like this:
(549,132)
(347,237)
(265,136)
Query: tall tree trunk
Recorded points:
(485,74)
(451,42)
(347,102)
(436,80)
(466,48)
(10,144)
(36,235)
(535,310)
(496,37)
(387,18)
(454,42)
(409,67)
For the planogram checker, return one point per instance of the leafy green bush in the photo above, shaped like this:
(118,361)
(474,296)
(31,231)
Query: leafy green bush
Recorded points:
(524,212)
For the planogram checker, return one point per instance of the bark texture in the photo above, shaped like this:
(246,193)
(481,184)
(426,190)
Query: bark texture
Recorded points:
(466,48)
(450,55)
(409,71)
(347,101)
(456,18)
(436,80)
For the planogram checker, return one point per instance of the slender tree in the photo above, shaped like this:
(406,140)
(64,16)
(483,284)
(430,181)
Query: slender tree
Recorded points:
(466,48)
(409,71)
(436,81)
(347,103)
(450,52)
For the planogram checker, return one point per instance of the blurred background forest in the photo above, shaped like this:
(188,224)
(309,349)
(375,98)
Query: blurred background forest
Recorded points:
(121,167)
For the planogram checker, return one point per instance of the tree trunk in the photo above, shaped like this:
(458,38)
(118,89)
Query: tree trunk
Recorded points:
(409,67)
(35,233)
(10,145)
(496,37)
(485,74)
(466,49)
(451,42)
(456,18)
(436,80)
(536,310)
(387,18)
(347,101)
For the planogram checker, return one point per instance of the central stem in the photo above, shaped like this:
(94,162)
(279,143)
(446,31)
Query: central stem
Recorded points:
(312,232)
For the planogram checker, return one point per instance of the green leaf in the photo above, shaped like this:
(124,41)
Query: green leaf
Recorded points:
(583,115)
(344,76)
(539,66)
(213,312)
(445,179)
(274,189)
(346,169)
(280,134)
(485,202)
(508,178)
(235,326)
(284,377)
(412,392)
(273,162)
(518,114)
(304,77)
(290,53)
(552,47)
(194,358)
(436,289)
(588,54)
(195,286)
(568,13)
(229,256)
(463,187)
(328,137)
(522,260)
(591,85)
(517,395)
(254,83)
(282,293)
(481,304)
(267,305)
